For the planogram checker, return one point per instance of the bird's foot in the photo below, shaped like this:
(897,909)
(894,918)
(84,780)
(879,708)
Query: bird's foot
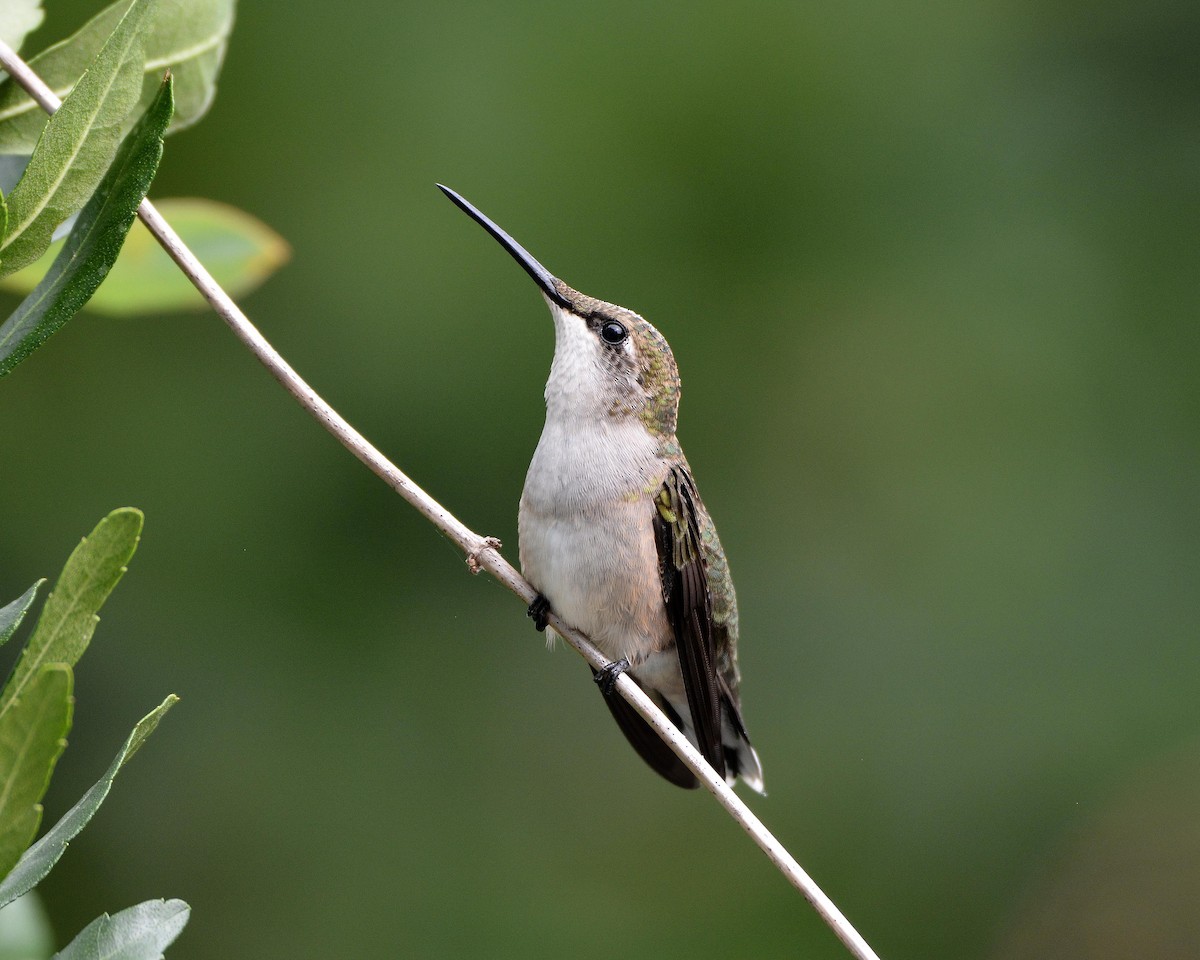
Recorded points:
(606,677)
(537,612)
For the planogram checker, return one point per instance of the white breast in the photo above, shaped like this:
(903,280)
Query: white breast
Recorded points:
(587,542)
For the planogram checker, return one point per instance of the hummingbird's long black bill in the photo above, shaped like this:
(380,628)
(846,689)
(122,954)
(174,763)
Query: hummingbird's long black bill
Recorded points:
(542,277)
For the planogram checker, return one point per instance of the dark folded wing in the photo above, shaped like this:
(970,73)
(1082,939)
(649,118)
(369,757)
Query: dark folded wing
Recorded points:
(689,606)
(646,741)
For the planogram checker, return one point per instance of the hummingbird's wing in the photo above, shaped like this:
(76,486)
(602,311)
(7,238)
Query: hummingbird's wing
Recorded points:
(648,744)
(689,606)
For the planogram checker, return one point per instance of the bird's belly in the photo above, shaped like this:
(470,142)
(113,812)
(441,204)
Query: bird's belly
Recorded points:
(599,570)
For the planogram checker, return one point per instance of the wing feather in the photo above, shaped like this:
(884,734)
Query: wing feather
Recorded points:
(646,741)
(689,607)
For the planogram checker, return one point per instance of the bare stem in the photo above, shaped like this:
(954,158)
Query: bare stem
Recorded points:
(482,552)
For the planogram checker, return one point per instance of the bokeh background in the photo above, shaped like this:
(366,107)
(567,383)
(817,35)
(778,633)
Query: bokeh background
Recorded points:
(930,272)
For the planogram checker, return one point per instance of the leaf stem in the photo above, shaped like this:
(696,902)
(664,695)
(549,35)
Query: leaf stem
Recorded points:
(482,552)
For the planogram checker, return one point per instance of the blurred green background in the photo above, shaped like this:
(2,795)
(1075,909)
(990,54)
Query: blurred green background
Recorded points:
(930,272)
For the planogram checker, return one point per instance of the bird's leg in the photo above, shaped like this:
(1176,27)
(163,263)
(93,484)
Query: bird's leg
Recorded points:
(606,677)
(537,612)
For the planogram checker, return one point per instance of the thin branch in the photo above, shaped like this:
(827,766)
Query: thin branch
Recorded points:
(482,552)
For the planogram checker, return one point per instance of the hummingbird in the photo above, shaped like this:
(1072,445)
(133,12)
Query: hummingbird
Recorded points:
(614,536)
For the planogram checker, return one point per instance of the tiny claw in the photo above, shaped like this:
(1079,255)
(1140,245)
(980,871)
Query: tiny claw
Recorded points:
(537,612)
(606,677)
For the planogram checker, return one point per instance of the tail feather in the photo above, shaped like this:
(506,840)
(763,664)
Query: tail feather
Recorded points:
(741,760)
(740,756)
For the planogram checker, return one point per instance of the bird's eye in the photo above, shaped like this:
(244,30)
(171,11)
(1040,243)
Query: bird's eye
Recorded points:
(613,332)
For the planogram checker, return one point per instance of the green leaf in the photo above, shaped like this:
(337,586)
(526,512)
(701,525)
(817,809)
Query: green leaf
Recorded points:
(137,933)
(188,37)
(94,242)
(69,617)
(78,143)
(32,737)
(18,19)
(12,614)
(43,855)
(240,251)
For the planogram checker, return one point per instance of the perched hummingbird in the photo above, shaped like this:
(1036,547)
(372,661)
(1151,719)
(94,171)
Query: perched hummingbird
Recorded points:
(614,536)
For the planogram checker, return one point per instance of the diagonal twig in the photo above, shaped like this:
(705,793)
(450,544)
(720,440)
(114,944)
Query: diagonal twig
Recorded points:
(482,552)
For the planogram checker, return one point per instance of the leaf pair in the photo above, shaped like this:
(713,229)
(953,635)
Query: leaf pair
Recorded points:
(35,716)
(35,704)
(188,37)
(80,155)
(78,142)
(124,49)
(129,44)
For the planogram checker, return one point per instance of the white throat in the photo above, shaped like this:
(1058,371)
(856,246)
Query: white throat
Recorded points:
(585,455)
(578,387)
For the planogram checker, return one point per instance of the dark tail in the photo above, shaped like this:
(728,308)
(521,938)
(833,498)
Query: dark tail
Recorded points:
(648,744)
